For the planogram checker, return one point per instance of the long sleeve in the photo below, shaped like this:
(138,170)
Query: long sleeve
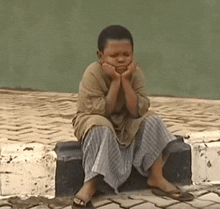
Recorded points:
(138,83)
(92,93)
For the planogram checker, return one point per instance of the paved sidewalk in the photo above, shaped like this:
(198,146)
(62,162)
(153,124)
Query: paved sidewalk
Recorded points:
(45,118)
(206,197)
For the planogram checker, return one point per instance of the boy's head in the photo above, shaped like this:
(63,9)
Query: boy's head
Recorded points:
(115,44)
(113,32)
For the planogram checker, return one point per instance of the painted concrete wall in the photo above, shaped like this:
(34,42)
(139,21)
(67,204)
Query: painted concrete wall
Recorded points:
(47,44)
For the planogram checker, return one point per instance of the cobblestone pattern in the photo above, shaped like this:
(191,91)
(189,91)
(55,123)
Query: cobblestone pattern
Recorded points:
(205,197)
(185,116)
(45,117)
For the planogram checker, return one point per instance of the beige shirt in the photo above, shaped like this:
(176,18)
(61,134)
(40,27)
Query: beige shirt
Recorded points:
(91,105)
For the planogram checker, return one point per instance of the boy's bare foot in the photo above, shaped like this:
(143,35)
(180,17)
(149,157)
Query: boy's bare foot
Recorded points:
(161,183)
(85,194)
(162,187)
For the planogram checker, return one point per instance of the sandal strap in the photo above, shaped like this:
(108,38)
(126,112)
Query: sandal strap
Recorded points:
(175,192)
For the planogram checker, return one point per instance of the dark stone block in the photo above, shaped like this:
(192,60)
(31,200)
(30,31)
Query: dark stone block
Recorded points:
(69,171)
(177,167)
(70,174)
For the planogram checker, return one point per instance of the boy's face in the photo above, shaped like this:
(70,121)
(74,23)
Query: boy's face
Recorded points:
(118,53)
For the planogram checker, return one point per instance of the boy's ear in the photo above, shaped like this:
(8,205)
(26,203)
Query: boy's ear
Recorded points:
(99,56)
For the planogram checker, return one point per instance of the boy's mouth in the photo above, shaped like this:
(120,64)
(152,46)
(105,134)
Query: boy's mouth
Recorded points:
(121,69)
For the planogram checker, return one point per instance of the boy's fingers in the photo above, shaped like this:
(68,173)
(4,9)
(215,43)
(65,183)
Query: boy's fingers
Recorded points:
(132,66)
(107,66)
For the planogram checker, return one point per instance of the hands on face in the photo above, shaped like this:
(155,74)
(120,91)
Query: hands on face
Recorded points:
(110,70)
(131,69)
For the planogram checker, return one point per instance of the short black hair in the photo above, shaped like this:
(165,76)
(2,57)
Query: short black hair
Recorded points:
(116,32)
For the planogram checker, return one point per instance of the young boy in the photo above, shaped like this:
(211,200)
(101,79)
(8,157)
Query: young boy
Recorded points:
(114,124)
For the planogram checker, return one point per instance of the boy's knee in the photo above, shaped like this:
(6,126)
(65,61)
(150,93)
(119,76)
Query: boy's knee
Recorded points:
(152,121)
(99,120)
(100,128)
(153,117)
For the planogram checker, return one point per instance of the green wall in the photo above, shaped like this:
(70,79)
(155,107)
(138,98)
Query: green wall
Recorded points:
(47,44)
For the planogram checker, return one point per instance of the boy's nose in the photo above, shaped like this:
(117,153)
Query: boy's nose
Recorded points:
(121,59)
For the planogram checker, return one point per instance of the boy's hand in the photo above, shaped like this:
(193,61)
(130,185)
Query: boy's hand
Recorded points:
(131,69)
(110,71)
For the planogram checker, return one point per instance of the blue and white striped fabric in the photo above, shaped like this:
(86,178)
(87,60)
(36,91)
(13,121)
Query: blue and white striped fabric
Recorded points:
(103,155)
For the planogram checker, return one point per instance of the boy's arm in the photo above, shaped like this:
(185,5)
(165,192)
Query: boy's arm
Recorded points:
(137,101)
(130,95)
(112,96)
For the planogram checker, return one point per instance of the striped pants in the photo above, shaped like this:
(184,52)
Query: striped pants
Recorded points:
(102,154)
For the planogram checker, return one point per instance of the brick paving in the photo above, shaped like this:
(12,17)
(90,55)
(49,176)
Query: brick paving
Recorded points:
(45,117)
(205,198)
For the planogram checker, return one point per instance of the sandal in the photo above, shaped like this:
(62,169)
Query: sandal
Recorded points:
(83,203)
(174,194)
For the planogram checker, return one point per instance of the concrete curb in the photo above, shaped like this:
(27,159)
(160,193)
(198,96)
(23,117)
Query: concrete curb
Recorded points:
(27,169)
(205,148)
(70,174)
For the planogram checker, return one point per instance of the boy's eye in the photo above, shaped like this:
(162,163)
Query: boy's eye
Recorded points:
(126,55)
(113,55)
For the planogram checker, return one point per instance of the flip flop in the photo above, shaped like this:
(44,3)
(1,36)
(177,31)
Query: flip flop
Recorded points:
(85,204)
(174,194)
